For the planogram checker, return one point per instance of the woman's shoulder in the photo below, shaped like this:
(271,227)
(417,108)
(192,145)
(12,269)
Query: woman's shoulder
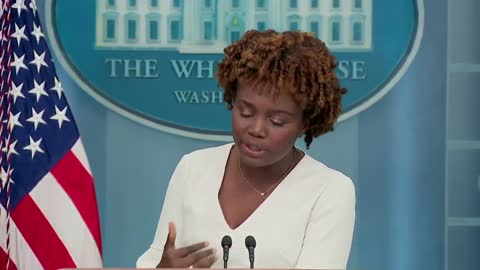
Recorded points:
(325,177)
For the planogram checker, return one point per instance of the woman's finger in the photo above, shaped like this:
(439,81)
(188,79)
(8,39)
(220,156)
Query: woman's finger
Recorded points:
(206,262)
(172,235)
(195,257)
(185,251)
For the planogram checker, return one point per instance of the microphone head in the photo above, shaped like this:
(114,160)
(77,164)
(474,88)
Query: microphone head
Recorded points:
(250,242)
(227,241)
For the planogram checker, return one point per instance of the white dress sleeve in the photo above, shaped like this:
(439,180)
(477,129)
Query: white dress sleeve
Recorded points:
(171,212)
(329,232)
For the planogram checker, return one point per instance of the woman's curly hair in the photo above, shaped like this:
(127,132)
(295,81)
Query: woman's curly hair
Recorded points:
(295,62)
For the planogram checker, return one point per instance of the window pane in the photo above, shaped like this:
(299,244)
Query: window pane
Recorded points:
(358,3)
(111,3)
(132,29)
(314,27)
(175,30)
(154,3)
(176,3)
(293,3)
(234,36)
(261,26)
(207,31)
(293,26)
(336,31)
(314,3)
(235,3)
(153,30)
(260,3)
(132,3)
(110,29)
(208,3)
(336,3)
(357,31)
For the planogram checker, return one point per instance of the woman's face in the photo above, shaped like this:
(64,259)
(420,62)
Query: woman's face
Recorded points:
(264,128)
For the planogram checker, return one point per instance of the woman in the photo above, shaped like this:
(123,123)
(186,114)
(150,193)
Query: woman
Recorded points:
(280,86)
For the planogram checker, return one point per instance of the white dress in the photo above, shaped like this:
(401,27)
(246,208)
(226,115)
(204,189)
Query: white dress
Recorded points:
(306,222)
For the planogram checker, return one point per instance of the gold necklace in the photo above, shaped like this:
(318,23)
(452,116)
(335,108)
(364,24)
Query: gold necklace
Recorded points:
(276,183)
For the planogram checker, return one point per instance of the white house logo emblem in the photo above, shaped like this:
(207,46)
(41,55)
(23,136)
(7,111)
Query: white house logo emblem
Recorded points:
(154,60)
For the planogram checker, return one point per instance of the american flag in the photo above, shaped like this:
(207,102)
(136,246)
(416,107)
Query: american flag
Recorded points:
(48,209)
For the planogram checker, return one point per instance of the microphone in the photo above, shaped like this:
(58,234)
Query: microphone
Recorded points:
(250,243)
(226,245)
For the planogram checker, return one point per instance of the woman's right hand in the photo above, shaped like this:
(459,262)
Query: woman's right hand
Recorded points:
(193,256)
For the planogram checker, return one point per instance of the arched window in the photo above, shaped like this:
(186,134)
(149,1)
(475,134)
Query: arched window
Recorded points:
(235,28)
(336,30)
(153,27)
(357,29)
(208,30)
(110,20)
(175,30)
(261,21)
(293,22)
(131,27)
(314,25)
(357,32)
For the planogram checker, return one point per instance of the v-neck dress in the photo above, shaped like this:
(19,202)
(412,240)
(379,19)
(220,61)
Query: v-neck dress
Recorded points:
(306,222)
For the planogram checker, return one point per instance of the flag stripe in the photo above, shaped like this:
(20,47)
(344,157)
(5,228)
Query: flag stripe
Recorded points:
(20,252)
(79,152)
(40,235)
(3,258)
(78,184)
(65,219)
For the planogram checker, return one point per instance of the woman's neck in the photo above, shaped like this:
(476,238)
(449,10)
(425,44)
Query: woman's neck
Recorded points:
(267,175)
